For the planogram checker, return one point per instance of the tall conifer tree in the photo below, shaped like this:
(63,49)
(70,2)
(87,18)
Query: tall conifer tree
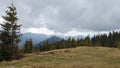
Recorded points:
(10,35)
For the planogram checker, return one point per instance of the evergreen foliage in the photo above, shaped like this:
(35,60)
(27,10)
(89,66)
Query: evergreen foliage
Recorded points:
(28,46)
(104,40)
(10,35)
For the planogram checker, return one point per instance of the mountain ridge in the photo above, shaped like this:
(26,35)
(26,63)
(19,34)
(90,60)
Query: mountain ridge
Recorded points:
(38,38)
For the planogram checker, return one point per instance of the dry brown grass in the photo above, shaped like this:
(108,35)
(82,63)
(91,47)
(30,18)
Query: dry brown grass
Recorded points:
(80,57)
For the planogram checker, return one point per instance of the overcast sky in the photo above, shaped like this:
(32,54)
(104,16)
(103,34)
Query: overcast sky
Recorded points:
(69,17)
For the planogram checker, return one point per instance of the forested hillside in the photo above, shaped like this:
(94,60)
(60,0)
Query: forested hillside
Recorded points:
(104,40)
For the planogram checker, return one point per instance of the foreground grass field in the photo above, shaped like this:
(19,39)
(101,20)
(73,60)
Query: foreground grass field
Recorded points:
(80,57)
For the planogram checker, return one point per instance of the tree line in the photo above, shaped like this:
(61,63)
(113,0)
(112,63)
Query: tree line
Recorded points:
(110,40)
(104,40)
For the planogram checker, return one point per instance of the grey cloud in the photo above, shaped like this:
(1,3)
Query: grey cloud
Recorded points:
(65,15)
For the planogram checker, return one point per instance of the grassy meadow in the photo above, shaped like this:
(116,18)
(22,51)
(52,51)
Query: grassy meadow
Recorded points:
(80,57)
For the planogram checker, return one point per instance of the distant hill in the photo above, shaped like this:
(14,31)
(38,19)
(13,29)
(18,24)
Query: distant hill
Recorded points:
(50,40)
(53,39)
(40,38)
(36,38)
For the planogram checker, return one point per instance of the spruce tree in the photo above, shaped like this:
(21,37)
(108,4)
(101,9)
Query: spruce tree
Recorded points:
(10,35)
(87,41)
(28,46)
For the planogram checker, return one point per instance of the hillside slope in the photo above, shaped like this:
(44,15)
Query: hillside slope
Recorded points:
(80,57)
(50,40)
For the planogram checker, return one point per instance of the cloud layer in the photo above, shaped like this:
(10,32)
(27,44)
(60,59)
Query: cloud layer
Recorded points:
(68,15)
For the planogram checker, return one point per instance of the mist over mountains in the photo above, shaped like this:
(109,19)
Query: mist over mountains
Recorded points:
(39,38)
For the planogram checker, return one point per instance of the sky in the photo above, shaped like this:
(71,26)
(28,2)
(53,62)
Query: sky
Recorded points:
(66,17)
